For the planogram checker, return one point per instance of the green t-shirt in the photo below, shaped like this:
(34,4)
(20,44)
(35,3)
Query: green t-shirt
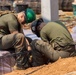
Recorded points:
(56,32)
(8,24)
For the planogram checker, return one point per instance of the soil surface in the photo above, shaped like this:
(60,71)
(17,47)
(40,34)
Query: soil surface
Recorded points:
(65,66)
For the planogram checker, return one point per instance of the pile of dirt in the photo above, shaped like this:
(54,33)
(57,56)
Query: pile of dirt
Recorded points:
(66,66)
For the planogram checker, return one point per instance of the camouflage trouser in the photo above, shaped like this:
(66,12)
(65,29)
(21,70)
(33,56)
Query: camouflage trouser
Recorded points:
(38,58)
(43,50)
(16,41)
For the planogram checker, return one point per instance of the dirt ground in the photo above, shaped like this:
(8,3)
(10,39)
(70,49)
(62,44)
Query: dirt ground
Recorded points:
(66,66)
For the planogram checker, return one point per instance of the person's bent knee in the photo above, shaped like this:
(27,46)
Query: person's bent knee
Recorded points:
(19,36)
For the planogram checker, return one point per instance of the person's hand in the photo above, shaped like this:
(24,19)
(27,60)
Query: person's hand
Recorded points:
(28,45)
(14,32)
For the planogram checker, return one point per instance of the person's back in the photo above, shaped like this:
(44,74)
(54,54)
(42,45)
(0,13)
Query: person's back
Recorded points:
(56,32)
(7,24)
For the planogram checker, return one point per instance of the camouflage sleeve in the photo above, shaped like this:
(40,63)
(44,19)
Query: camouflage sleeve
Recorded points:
(43,36)
(13,26)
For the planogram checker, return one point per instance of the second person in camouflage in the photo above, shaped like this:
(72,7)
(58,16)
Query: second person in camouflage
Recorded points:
(56,41)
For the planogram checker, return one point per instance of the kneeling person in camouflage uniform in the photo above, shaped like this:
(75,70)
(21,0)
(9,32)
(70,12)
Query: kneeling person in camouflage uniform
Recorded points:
(11,35)
(56,42)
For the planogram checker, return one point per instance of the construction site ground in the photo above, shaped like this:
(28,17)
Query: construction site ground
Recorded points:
(65,66)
